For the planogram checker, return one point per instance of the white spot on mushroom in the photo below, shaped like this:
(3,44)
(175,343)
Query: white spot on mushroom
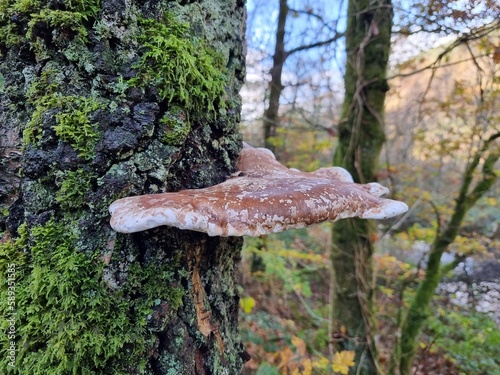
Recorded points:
(377,189)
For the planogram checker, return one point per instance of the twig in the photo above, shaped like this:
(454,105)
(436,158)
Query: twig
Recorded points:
(308,309)
(403,218)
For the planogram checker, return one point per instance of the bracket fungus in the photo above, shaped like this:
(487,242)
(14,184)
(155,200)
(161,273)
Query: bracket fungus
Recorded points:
(263,197)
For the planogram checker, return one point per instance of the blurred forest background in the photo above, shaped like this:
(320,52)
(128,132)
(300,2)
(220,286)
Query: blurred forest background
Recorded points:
(440,156)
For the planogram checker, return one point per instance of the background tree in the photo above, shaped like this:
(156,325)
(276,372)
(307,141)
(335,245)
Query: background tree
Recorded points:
(291,53)
(361,137)
(107,99)
(281,54)
(469,194)
(462,116)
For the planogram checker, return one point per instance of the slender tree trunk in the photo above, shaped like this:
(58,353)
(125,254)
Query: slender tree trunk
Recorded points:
(271,114)
(419,310)
(361,136)
(116,98)
(281,54)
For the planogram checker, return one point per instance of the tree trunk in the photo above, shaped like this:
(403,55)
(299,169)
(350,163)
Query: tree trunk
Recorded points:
(113,99)
(361,136)
(271,114)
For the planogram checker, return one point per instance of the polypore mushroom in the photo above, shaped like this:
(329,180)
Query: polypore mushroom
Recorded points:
(263,197)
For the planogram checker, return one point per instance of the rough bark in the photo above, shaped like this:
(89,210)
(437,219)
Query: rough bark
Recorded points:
(97,124)
(361,136)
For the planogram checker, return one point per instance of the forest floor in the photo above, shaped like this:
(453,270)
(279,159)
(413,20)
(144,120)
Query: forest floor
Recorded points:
(287,323)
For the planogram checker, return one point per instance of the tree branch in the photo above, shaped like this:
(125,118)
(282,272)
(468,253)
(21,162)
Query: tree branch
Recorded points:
(314,15)
(314,45)
(495,25)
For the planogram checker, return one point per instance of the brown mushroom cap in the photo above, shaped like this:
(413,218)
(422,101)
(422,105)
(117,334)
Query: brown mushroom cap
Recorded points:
(264,197)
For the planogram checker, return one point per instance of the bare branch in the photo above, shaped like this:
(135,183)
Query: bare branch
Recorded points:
(464,39)
(317,16)
(432,66)
(315,45)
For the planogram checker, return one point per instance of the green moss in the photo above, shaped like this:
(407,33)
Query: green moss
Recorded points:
(184,71)
(10,35)
(74,127)
(61,306)
(176,126)
(25,6)
(72,122)
(59,19)
(71,114)
(153,280)
(49,82)
(37,13)
(72,187)
(67,321)
(42,95)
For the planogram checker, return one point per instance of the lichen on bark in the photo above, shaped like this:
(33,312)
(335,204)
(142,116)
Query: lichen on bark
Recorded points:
(90,136)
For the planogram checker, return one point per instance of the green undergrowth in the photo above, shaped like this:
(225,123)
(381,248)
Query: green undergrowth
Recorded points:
(67,321)
(184,71)
(471,340)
